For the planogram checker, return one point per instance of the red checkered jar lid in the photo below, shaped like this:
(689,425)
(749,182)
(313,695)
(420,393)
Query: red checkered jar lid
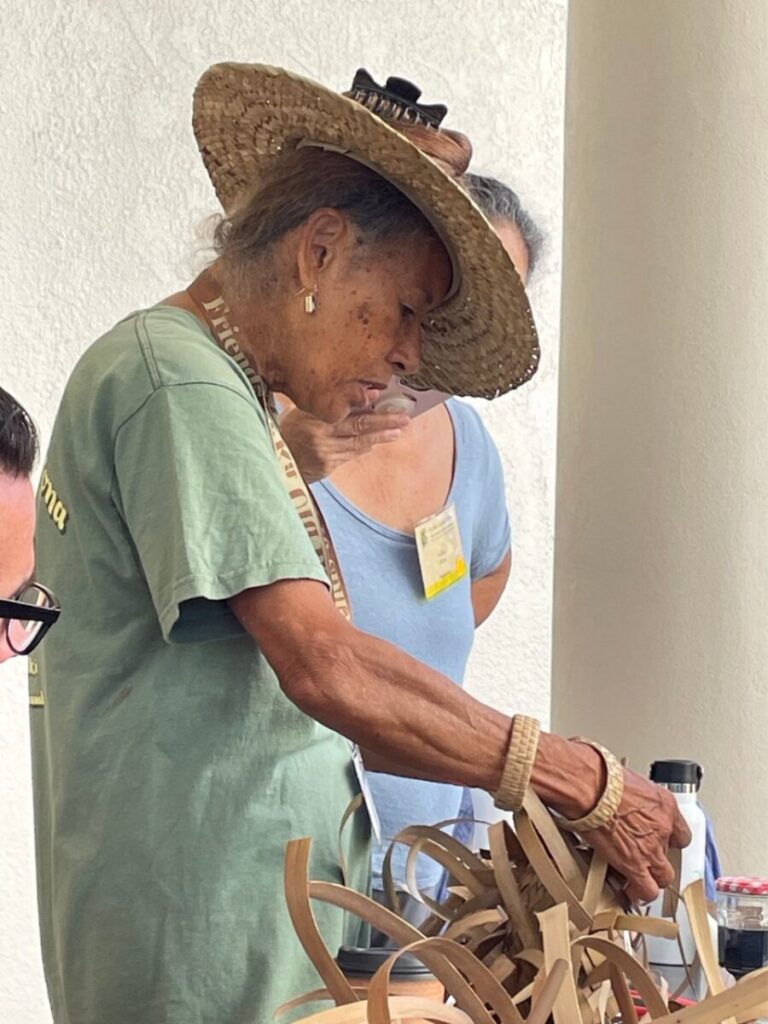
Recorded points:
(746,885)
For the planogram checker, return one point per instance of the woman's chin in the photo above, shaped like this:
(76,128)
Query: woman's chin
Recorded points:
(329,409)
(341,404)
(335,406)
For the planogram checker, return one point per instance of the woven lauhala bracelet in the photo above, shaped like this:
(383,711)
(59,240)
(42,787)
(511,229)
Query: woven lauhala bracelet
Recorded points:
(605,809)
(518,767)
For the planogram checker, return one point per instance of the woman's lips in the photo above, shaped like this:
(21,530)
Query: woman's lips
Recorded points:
(372,390)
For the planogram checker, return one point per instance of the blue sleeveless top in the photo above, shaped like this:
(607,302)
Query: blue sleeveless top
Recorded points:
(381,570)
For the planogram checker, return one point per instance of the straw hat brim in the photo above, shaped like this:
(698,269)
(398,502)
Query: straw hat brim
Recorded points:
(482,340)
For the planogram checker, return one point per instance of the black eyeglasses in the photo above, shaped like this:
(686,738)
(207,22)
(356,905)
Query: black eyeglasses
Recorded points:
(28,617)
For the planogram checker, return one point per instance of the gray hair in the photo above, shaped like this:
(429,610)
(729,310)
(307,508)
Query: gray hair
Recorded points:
(500,203)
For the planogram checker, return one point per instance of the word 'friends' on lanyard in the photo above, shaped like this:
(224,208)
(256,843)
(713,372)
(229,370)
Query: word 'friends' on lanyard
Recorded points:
(218,317)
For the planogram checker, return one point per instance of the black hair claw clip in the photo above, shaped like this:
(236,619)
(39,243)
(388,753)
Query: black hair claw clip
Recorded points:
(398,95)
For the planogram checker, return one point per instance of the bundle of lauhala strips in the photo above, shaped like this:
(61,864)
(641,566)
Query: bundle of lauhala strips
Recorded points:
(534,930)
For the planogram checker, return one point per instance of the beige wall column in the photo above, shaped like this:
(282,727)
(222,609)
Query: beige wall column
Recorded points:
(661,554)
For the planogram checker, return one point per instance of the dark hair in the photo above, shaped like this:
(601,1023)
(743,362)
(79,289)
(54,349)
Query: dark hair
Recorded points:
(18,437)
(500,203)
(306,180)
(310,178)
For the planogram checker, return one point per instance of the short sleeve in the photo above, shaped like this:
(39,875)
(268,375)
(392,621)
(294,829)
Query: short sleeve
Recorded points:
(491,535)
(199,488)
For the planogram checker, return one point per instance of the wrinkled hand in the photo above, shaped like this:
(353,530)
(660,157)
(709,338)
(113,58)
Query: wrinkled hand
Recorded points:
(320,448)
(635,843)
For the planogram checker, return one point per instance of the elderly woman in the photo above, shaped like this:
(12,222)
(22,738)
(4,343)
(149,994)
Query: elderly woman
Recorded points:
(201,696)
(372,503)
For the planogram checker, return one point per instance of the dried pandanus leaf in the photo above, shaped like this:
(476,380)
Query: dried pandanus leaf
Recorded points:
(535,930)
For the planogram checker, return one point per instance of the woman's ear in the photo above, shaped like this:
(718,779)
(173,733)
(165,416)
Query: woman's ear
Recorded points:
(323,237)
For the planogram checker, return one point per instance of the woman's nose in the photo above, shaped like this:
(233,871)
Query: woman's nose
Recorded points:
(406,356)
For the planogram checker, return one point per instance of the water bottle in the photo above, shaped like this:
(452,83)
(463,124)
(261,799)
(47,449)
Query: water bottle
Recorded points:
(665,956)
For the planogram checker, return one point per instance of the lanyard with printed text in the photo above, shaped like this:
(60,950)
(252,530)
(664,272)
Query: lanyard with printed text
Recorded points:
(208,299)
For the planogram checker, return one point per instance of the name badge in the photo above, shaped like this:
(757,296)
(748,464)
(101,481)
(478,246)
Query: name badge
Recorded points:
(365,789)
(441,558)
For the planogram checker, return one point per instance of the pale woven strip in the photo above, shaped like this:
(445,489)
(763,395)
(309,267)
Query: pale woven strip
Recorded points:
(518,768)
(605,809)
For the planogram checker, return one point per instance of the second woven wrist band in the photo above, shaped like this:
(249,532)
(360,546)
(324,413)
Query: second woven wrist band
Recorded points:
(604,811)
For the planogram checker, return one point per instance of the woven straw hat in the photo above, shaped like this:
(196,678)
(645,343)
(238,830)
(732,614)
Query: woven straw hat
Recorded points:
(482,340)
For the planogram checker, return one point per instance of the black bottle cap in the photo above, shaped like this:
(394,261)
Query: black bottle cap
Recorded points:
(363,963)
(677,772)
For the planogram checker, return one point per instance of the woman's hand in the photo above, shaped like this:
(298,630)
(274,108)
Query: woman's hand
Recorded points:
(320,448)
(423,725)
(569,776)
(647,823)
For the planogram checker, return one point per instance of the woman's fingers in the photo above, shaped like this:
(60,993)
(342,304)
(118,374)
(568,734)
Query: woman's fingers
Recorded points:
(638,861)
(319,448)
(364,442)
(641,888)
(662,871)
(362,424)
(645,884)
(635,843)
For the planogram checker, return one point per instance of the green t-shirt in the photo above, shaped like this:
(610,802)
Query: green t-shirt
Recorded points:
(169,768)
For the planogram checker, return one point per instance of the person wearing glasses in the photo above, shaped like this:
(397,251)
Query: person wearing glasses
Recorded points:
(27,609)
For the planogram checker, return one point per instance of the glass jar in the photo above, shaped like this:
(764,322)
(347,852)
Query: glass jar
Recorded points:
(742,917)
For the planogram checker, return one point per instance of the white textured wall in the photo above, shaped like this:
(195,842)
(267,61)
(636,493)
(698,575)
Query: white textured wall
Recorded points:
(661,597)
(102,195)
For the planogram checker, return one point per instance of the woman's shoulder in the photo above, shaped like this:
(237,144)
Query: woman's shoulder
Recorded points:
(477,457)
(148,351)
(162,346)
(468,426)
(177,349)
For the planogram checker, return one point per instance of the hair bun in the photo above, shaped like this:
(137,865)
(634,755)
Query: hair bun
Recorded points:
(451,149)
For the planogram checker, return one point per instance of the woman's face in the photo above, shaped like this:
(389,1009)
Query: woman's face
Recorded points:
(370,302)
(515,246)
(17,552)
